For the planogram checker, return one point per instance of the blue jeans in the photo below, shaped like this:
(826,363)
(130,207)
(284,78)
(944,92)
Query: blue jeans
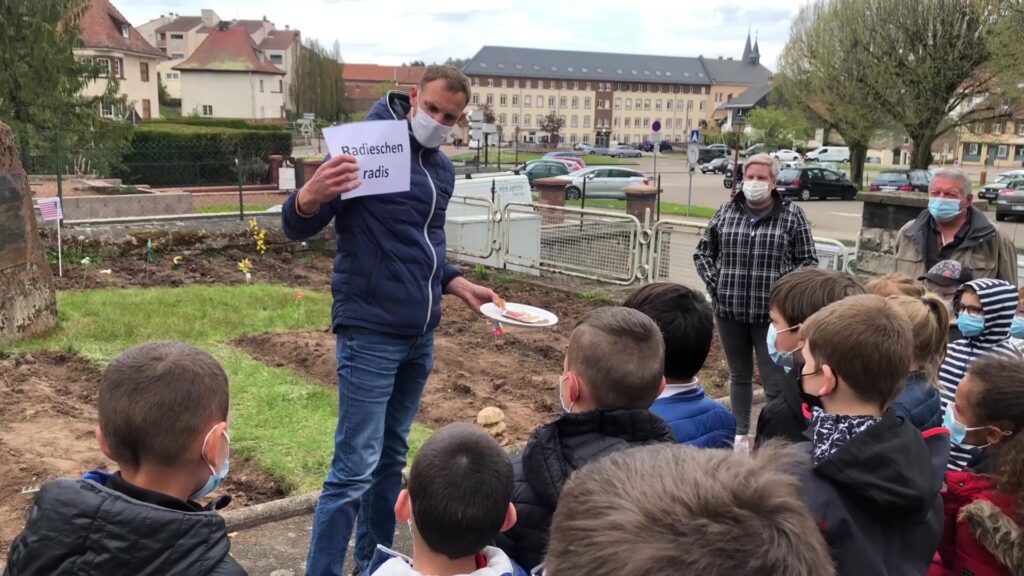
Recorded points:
(380,381)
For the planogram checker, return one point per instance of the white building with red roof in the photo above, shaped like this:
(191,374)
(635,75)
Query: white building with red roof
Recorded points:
(109,40)
(230,76)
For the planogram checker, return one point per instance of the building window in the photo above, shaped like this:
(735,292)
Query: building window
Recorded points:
(515,100)
(515,119)
(701,105)
(657,104)
(476,99)
(144,71)
(126,31)
(575,121)
(502,118)
(280,86)
(575,85)
(586,121)
(527,101)
(515,83)
(490,99)
(647,104)
(503,100)
(207,110)
(689,124)
(551,101)
(639,104)
(586,138)
(627,122)
(526,120)
(529,84)
(1020,127)
(490,82)
(618,103)
(504,83)
(476,81)
(629,104)
(261,85)
(997,128)
(107,110)
(689,105)
(588,86)
(1002,152)
(562,101)
(104,66)
(277,59)
(177,36)
(586,103)
(575,102)
(565,85)
(668,105)
(177,56)
(615,121)
(572,138)
(974,149)
(679,123)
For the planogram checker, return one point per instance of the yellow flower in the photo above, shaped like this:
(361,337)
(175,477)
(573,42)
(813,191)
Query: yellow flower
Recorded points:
(245,266)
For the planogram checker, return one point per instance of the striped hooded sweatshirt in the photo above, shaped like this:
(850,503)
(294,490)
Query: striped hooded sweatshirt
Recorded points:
(999,302)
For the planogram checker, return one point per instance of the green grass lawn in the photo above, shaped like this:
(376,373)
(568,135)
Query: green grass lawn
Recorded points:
(510,158)
(232,208)
(282,421)
(667,208)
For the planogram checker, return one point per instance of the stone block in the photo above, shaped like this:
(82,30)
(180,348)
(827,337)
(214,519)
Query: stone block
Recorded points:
(875,263)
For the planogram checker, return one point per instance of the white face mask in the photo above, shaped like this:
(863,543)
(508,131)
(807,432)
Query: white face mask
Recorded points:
(429,132)
(755,190)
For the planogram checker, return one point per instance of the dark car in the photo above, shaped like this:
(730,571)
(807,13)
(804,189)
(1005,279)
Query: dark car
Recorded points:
(1010,202)
(731,170)
(814,182)
(716,166)
(901,181)
(710,153)
(665,146)
(544,169)
(647,146)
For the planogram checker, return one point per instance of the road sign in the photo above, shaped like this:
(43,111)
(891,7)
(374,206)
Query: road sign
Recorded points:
(476,116)
(656,127)
(655,138)
(693,155)
(694,136)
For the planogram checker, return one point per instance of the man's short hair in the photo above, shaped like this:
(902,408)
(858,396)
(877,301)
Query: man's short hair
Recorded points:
(674,508)
(955,174)
(686,322)
(453,78)
(764,160)
(460,486)
(895,284)
(867,341)
(806,290)
(156,399)
(618,352)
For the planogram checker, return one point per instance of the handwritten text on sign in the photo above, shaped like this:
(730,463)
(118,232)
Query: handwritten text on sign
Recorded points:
(382,149)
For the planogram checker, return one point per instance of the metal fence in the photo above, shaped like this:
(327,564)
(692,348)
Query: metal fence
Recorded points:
(601,245)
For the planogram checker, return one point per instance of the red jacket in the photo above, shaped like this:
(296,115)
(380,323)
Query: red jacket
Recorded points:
(980,536)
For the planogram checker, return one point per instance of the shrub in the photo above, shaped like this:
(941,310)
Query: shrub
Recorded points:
(172,154)
(235,124)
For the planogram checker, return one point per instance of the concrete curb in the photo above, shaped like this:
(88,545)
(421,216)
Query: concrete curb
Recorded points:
(285,508)
(273,511)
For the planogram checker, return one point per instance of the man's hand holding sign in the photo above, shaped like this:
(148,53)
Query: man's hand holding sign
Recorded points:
(336,177)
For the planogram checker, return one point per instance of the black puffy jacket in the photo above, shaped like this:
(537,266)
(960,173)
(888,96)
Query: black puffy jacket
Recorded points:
(552,454)
(79,527)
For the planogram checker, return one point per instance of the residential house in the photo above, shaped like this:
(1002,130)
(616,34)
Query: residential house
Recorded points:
(997,143)
(366,83)
(739,107)
(180,36)
(604,98)
(230,76)
(124,56)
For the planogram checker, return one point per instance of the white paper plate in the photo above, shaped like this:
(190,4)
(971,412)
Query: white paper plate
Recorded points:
(492,311)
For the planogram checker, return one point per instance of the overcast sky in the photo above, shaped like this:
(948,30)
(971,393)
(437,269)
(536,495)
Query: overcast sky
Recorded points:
(396,31)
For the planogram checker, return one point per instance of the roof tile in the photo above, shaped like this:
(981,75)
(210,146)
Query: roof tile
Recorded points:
(101,29)
(230,50)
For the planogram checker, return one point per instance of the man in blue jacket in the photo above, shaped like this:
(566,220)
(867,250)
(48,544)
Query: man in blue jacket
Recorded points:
(389,274)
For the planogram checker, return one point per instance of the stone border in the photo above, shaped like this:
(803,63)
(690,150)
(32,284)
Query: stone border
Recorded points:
(292,506)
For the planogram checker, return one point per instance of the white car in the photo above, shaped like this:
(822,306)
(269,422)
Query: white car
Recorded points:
(785,155)
(603,182)
(624,151)
(828,154)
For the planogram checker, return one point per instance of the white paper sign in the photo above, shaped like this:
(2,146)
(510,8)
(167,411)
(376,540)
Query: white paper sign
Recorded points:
(382,149)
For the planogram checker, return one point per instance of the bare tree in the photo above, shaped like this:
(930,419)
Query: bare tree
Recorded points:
(552,124)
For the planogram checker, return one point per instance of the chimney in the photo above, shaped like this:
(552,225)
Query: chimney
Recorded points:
(287,27)
(264,17)
(210,18)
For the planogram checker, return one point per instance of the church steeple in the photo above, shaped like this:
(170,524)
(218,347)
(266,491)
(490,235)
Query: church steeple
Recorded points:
(755,55)
(747,49)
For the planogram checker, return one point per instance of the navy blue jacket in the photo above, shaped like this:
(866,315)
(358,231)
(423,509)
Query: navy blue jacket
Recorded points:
(696,419)
(919,403)
(390,269)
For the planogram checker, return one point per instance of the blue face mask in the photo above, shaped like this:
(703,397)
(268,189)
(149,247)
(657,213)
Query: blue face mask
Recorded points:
(969,325)
(215,477)
(944,209)
(783,359)
(957,431)
(1017,327)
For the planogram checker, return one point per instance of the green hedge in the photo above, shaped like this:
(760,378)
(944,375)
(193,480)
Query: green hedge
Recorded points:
(213,123)
(169,154)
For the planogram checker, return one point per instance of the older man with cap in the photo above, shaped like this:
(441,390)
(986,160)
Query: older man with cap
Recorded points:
(944,279)
(952,228)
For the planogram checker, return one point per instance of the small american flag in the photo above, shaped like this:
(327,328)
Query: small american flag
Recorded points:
(49,209)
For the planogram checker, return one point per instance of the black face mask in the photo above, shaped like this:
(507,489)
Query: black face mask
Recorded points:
(811,400)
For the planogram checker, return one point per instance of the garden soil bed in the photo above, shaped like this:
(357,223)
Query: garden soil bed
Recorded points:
(49,416)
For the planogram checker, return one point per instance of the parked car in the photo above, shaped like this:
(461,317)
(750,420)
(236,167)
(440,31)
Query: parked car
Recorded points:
(624,151)
(584,147)
(545,169)
(665,146)
(873,160)
(603,182)
(647,146)
(755,149)
(732,170)
(829,166)
(716,166)
(786,155)
(901,181)
(814,182)
(709,153)
(563,154)
(599,151)
(990,191)
(1010,201)
(829,154)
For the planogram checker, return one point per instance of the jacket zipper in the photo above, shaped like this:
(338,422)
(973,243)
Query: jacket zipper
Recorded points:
(430,247)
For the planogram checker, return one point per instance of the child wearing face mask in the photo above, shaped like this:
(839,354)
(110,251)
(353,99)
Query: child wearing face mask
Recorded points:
(984,503)
(163,418)
(984,310)
(614,370)
(919,402)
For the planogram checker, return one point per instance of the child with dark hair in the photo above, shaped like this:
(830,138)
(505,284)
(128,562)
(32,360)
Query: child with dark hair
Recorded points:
(163,413)
(794,298)
(984,311)
(613,373)
(870,477)
(687,326)
(458,500)
(985,502)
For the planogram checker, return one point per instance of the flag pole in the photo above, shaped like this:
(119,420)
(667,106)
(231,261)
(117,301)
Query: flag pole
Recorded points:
(60,251)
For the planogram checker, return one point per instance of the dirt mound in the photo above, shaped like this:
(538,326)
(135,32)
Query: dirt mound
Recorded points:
(49,416)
